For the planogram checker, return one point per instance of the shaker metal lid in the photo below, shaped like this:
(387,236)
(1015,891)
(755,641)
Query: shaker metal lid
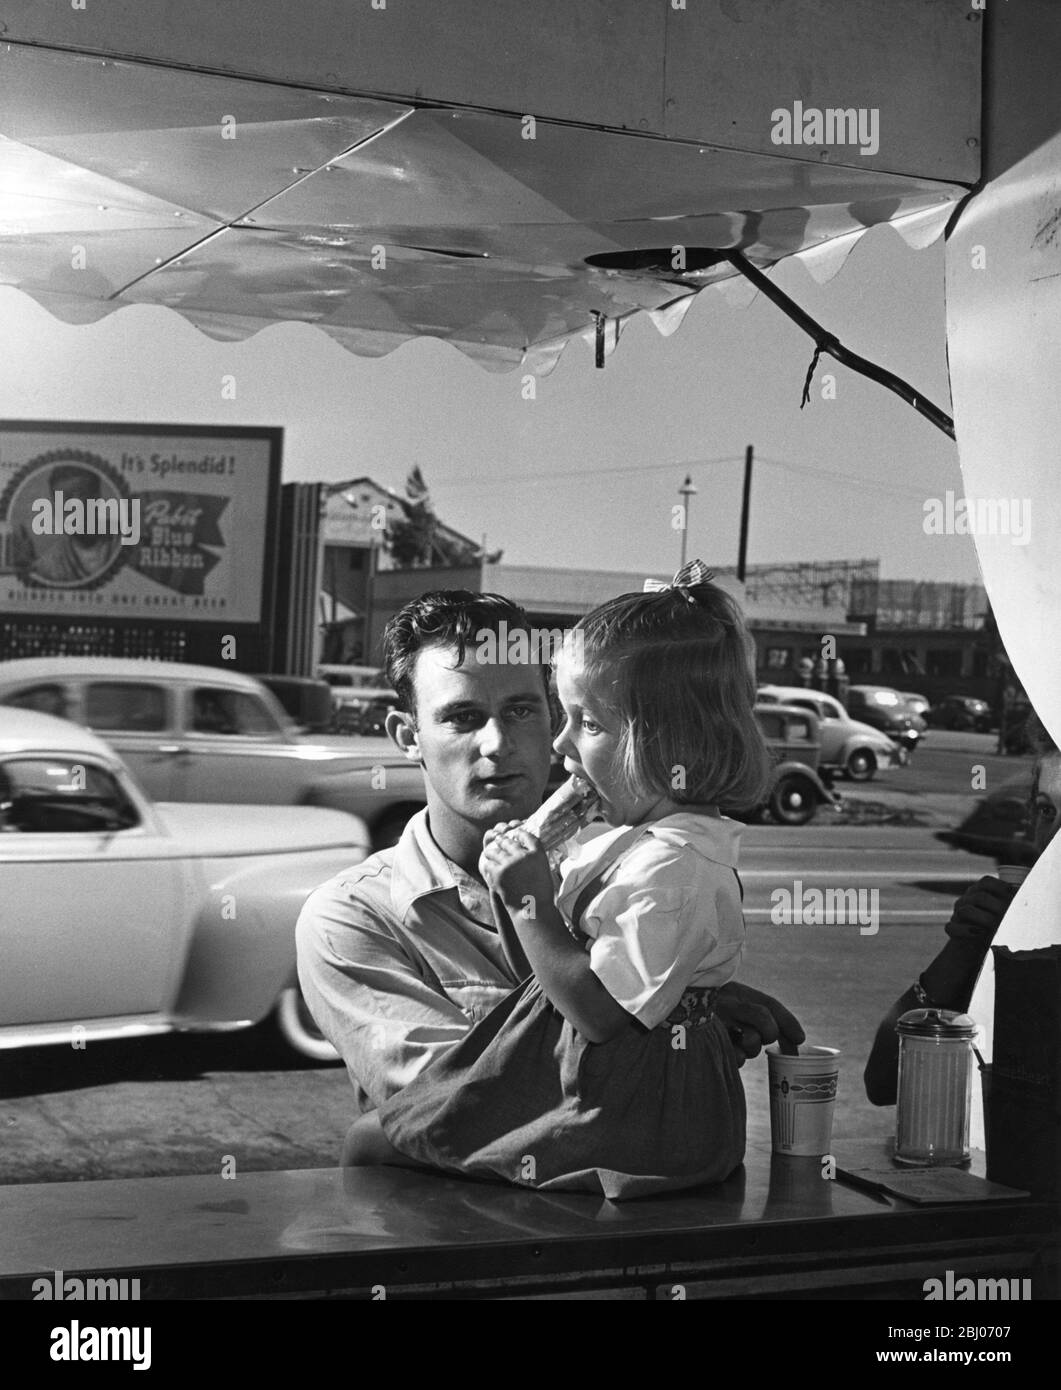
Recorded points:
(936,1023)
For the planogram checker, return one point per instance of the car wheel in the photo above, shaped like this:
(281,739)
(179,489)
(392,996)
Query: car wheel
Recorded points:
(861,765)
(794,801)
(298,1031)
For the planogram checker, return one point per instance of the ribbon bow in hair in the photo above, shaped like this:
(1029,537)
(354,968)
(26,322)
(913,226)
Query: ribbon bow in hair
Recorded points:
(695,572)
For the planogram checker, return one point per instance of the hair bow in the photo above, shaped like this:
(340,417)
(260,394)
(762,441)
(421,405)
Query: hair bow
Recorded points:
(695,572)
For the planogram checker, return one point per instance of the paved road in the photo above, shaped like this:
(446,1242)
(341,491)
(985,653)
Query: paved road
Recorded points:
(946,762)
(915,877)
(186,1105)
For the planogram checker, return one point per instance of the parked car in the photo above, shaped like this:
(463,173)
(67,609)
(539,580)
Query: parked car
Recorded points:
(363,711)
(200,733)
(124,917)
(361,699)
(307,703)
(998,825)
(797,788)
(848,745)
(961,712)
(883,708)
(919,704)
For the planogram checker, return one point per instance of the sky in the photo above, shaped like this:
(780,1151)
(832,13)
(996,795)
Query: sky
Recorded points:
(587,473)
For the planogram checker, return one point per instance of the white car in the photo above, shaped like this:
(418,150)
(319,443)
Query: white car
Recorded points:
(201,733)
(848,745)
(120,917)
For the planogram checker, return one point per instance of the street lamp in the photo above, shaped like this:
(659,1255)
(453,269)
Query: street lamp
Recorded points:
(685,492)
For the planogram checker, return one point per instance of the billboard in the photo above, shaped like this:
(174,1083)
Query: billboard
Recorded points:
(167,522)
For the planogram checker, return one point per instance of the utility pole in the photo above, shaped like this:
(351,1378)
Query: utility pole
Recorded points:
(742,554)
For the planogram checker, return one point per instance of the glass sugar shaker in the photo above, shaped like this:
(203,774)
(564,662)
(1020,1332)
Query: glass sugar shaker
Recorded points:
(935,1087)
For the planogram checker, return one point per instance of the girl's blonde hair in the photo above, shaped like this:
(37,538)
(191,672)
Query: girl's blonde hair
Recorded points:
(676,668)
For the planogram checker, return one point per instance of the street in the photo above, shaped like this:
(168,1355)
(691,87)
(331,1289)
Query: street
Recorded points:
(201,1104)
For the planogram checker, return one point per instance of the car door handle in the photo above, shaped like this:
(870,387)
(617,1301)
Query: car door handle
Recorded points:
(172,748)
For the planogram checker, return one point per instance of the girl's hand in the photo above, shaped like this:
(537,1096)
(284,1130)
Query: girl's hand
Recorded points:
(515,866)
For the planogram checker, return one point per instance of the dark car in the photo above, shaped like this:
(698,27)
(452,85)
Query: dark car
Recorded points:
(998,825)
(961,712)
(308,702)
(797,788)
(884,708)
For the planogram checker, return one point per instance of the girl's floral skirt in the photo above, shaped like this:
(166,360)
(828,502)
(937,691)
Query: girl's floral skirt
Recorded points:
(527,1100)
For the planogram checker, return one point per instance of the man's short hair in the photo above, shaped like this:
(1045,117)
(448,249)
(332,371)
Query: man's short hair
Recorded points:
(73,475)
(447,618)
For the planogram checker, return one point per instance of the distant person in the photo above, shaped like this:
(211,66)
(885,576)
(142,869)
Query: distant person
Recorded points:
(949,981)
(608,1070)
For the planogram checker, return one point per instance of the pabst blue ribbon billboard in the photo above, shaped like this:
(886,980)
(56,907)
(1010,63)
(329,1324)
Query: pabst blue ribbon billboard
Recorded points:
(135,521)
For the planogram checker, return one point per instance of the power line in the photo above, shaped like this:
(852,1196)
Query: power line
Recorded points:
(614,470)
(478,480)
(833,475)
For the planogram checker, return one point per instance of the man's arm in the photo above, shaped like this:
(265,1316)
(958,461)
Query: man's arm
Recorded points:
(367,996)
(947,983)
(754,1019)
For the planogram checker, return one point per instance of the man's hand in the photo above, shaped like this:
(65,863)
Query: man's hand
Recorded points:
(950,979)
(754,1019)
(980,909)
(516,867)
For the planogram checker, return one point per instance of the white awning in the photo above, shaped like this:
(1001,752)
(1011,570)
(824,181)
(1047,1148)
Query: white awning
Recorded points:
(239,204)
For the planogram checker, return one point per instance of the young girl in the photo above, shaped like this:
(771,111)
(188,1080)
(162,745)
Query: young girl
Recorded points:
(606,1070)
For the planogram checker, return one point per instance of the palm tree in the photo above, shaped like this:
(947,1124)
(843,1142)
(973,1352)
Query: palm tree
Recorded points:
(418,539)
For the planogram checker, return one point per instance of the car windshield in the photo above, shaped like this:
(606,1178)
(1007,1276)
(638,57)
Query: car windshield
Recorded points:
(61,796)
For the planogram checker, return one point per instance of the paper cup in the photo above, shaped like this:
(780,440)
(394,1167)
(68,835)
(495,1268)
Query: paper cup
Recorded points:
(802,1099)
(1013,873)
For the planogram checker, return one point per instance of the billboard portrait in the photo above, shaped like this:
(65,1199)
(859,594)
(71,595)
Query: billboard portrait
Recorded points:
(136,521)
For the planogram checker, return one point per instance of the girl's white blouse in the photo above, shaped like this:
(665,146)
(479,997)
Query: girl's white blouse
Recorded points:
(668,912)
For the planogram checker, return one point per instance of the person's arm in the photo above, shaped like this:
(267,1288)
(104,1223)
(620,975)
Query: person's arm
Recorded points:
(754,1019)
(947,983)
(367,996)
(516,868)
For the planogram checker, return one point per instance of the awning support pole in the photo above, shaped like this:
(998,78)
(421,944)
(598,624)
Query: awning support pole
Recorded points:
(601,323)
(826,342)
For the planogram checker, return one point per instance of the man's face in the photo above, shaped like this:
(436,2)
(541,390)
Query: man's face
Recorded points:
(1046,808)
(483,735)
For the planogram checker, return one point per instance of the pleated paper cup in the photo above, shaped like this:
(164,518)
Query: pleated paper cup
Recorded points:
(802,1098)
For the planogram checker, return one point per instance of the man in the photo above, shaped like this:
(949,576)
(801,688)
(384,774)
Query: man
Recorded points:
(67,559)
(399,956)
(950,980)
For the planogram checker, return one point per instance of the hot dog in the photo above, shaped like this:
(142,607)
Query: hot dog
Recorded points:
(570,807)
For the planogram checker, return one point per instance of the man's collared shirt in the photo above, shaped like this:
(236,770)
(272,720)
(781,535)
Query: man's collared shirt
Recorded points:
(397,958)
